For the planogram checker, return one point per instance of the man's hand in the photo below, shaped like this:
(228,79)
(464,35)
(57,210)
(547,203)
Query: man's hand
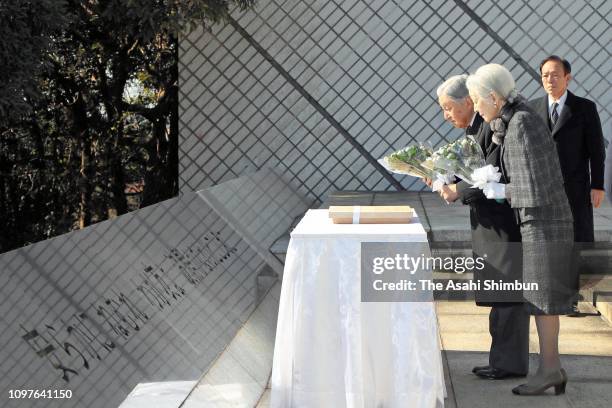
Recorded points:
(597,197)
(426,181)
(449,193)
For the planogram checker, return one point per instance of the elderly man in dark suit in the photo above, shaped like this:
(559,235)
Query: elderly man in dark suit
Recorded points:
(496,237)
(576,129)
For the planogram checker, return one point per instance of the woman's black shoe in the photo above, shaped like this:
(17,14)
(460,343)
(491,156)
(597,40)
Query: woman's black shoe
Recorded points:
(556,379)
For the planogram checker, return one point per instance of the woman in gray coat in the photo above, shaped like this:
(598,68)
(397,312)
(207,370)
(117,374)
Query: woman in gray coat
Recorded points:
(535,191)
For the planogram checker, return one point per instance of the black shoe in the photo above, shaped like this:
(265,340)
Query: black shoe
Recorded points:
(479,368)
(575,311)
(497,374)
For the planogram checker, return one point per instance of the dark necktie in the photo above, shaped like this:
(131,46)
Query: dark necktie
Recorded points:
(471,130)
(555,115)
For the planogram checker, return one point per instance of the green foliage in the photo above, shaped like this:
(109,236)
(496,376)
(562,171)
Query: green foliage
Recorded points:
(415,153)
(89,104)
(25,31)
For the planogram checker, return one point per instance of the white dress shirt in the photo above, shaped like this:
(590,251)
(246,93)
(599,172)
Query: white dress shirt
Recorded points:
(472,121)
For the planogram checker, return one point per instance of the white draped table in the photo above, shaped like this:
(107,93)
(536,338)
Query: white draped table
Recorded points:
(331,349)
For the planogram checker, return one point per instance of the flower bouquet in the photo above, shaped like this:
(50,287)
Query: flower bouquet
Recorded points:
(461,158)
(409,161)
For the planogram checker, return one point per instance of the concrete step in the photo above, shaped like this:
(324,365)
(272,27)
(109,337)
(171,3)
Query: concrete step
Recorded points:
(604,306)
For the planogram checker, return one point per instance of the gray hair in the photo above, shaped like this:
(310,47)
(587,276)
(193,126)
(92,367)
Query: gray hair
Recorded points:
(492,78)
(454,87)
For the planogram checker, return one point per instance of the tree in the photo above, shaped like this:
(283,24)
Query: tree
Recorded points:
(25,35)
(90,104)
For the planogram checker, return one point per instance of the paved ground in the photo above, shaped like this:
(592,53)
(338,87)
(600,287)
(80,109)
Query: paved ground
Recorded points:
(585,344)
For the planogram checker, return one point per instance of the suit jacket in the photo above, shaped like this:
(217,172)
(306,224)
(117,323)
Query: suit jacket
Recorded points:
(579,142)
(483,136)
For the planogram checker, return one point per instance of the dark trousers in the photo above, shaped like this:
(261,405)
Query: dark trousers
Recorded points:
(509,328)
(579,196)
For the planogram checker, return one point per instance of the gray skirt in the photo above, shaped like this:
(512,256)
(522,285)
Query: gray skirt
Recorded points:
(547,260)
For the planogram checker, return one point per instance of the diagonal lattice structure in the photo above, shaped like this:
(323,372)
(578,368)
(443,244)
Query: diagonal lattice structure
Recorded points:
(278,107)
(155,295)
(319,89)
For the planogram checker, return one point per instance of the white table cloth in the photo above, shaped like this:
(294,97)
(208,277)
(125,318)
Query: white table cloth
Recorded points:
(331,349)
